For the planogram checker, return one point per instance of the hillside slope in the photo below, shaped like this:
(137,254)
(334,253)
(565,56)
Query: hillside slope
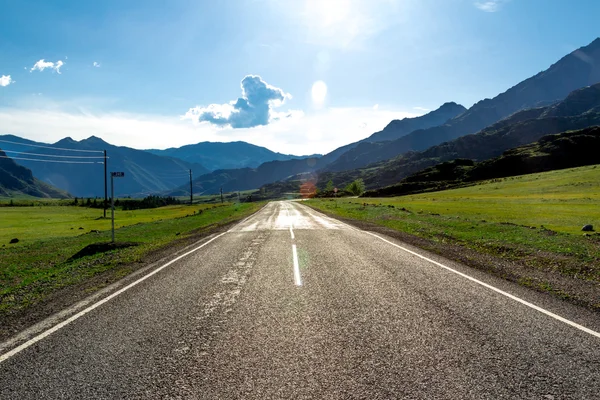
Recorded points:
(576,70)
(581,109)
(16,180)
(252,178)
(246,178)
(551,152)
(145,173)
(402,127)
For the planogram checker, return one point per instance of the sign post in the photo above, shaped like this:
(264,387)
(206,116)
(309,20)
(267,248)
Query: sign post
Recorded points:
(112,199)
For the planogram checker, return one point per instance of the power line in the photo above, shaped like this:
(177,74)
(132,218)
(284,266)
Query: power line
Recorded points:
(54,161)
(172,176)
(49,155)
(49,147)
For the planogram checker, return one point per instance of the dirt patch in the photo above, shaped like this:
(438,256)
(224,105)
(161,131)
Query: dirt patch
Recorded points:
(547,280)
(103,247)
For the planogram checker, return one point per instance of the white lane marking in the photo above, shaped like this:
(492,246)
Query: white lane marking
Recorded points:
(502,292)
(80,314)
(292,232)
(297,279)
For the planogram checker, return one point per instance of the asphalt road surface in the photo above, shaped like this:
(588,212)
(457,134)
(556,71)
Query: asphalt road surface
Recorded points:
(291,304)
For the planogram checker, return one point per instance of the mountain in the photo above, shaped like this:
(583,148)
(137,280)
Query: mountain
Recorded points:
(16,180)
(216,155)
(579,110)
(576,70)
(402,127)
(564,150)
(246,178)
(144,172)
(251,178)
(12,142)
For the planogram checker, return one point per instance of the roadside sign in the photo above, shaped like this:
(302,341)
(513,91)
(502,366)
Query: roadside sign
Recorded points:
(117,174)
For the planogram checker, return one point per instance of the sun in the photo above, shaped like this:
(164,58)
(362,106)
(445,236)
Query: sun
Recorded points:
(319,92)
(328,12)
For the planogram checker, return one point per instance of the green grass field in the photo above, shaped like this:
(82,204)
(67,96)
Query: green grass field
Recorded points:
(41,262)
(34,223)
(563,200)
(533,219)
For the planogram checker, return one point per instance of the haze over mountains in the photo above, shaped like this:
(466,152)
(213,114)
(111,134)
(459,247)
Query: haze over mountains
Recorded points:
(579,110)
(576,70)
(144,172)
(560,98)
(248,178)
(16,180)
(216,155)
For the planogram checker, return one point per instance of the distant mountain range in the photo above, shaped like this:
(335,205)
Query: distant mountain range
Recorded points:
(535,107)
(251,178)
(144,172)
(576,70)
(16,180)
(217,156)
(579,110)
(246,178)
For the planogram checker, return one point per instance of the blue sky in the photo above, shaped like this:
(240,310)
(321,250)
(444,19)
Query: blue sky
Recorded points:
(168,73)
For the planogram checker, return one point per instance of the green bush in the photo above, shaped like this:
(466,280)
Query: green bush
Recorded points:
(357,187)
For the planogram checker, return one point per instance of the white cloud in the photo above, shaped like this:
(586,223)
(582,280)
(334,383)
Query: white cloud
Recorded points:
(42,65)
(489,5)
(376,107)
(6,80)
(254,108)
(96,64)
(421,109)
(320,132)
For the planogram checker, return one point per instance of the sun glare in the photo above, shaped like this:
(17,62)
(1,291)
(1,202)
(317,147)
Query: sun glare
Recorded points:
(319,92)
(328,12)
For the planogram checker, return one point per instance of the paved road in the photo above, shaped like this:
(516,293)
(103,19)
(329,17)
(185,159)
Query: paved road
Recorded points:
(290,304)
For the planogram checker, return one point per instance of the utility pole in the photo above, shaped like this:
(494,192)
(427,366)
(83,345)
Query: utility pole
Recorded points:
(112,199)
(191,189)
(112,205)
(221,194)
(105,186)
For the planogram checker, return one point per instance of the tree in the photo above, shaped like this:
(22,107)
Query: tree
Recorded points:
(329,187)
(356,188)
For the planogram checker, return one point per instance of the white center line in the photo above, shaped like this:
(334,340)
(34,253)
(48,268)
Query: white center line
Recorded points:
(502,292)
(292,233)
(297,279)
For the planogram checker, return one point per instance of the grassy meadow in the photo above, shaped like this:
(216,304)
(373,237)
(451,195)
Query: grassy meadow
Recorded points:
(48,221)
(41,262)
(533,219)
